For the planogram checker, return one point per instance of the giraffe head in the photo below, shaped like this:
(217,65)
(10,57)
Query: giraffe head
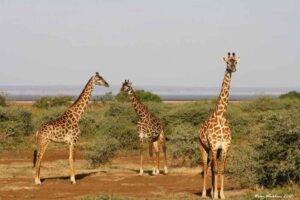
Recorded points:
(231,61)
(126,86)
(99,80)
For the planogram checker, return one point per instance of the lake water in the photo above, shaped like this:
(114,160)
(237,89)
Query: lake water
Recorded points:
(165,92)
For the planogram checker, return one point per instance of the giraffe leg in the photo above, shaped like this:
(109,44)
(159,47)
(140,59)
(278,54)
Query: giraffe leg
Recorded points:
(156,149)
(71,160)
(164,148)
(151,155)
(214,175)
(223,162)
(204,156)
(42,146)
(141,156)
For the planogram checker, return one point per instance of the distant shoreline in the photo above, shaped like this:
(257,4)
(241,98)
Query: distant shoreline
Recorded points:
(28,98)
(166,93)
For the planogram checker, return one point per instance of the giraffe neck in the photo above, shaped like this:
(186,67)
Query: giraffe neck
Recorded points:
(80,105)
(139,108)
(222,102)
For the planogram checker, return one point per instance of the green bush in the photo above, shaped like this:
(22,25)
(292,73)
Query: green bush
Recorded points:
(48,102)
(192,113)
(241,164)
(183,145)
(15,123)
(142,95)
(122,130)
(290,95)
(102,150)
(278,153)
(2,101)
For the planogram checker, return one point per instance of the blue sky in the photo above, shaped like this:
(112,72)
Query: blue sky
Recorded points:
(157,42)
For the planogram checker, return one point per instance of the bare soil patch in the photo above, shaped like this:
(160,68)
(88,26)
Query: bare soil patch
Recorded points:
(119,178)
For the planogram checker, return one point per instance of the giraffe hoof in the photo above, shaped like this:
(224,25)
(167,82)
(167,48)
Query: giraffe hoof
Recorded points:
(141,172)
(203,196)
(222,195)
(38,182)
(166,170)
(215,196)
(154,173)
(72,179)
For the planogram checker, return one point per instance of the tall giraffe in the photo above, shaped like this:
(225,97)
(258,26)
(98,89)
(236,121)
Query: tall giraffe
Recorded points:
(150,127)
(65,128)
(215,133)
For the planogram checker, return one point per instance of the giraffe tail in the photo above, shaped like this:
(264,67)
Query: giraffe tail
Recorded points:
(35,152)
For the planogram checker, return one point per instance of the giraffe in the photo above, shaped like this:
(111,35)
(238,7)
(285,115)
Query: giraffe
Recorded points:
(215,134)
(65,129)
(149,127)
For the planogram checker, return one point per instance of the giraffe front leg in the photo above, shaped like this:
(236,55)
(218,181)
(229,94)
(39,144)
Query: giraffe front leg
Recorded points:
(156,149)
(223,162)
(71,159)
(141,156)
(204,156)
(151,155)
(214,175)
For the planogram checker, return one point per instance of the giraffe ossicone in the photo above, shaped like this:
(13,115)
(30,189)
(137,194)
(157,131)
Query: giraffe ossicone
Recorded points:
(65,129)
(215,133)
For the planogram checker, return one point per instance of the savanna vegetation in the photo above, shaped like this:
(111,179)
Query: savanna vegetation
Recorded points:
(265,150)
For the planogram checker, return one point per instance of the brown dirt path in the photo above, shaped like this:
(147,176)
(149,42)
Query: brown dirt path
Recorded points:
(120,178)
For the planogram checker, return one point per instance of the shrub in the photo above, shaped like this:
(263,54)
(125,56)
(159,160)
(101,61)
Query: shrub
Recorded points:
(2,101)
(15,123)
(122,130)
(278,153)
(48,102)
(183,145)
(102,150)
(193,113)
(241,164)
(142,95)
(290,95)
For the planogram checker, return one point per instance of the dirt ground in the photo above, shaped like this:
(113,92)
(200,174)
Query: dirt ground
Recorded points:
(120,178)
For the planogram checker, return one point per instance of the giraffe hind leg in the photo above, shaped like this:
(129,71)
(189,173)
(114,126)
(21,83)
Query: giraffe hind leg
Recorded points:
(71,160)
(141,156)
(156,149)
(164,148)
(42,146)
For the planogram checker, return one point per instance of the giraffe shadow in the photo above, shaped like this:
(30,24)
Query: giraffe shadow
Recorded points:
(137,171)
(208,193)
(77,177)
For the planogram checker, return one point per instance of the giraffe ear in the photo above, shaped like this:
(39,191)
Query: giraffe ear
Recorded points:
(129,83)
(223,59)
(238,59)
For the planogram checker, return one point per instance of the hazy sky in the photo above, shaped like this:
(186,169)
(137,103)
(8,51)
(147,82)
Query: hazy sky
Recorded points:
(155,42)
